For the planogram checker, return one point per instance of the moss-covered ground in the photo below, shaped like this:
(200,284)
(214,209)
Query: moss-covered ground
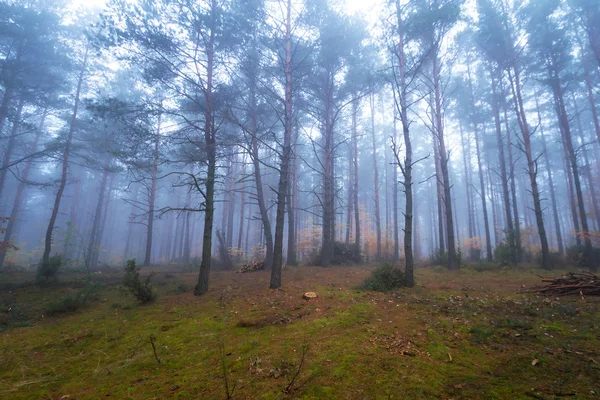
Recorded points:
(457,335)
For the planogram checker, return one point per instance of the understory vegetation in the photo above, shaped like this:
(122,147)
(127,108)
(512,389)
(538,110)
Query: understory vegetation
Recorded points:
(463,334)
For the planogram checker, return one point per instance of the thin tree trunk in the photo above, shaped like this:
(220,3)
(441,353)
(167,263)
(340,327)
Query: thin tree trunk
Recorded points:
(486,222)
(242,205)
(355,162)
(561,111)
(103,225)
(291,203)
(402,109)
(187,237)
(130,227)
(375,178)
(587,170)
(152,195)
(395,196)
(531,165)
(11,144)
(471,223)
(65,164)
(92,244)
(513,185)
(12,222)
(510,233)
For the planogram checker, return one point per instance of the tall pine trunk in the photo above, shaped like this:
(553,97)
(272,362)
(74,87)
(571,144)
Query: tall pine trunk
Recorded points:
(510,232)
(284,173)
(152,196)
(65,164)
(515,82)
(211,159)
(375,177)
(444,165)
(355,174)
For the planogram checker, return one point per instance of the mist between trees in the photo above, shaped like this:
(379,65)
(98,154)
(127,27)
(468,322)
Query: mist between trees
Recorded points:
(212,133)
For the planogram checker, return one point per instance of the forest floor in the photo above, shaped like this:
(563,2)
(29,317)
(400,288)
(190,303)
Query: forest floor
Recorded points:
(457,335)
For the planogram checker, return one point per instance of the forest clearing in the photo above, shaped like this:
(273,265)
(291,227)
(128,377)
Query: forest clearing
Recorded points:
(457,335)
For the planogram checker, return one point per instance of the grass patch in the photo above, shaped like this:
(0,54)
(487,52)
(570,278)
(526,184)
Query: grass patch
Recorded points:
(459,335)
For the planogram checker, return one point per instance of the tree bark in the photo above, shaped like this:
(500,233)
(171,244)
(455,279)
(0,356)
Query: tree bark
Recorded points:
(510,233)
(291,203)
(284,176)
(65,164)
(563,117)
(355,163)
(211,159)
(92,244)
(513,185)
(444,160)
(531,164)
(375,177)
(152,195)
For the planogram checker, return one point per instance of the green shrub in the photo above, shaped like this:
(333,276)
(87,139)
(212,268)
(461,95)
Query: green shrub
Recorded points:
(503,254)
(73,303)
(49,270)
(141,290)
(384,279)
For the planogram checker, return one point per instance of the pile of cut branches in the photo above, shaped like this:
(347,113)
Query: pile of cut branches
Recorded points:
(252,267)
(573,283)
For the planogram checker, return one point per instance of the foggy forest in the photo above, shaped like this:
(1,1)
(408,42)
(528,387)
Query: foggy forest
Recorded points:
(197,153)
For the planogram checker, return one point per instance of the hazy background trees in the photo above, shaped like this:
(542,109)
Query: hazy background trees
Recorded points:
(296,130)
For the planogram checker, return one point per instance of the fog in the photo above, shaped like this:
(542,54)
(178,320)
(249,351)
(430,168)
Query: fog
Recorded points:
(216,133)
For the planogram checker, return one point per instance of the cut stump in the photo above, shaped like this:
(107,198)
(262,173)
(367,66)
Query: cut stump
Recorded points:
(309,295)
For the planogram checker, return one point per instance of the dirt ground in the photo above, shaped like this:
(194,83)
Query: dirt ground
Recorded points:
(457,335)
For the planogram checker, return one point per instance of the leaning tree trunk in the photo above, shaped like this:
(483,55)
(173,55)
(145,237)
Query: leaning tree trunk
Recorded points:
(284,176)
(65,164)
